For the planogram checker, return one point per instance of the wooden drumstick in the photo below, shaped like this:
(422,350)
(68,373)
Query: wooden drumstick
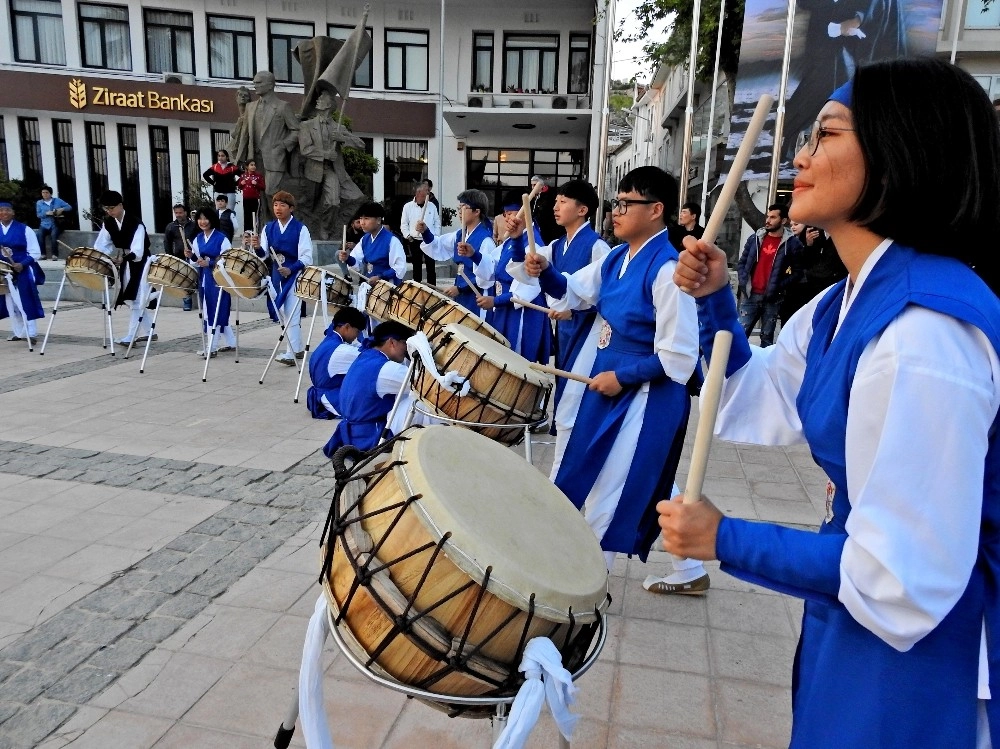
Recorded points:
(475,289)
(530,305)
(711,391)
(465,229)
(71,249)
(561,373)
(529,225)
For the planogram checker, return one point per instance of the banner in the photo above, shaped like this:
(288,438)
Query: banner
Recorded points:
(830,39)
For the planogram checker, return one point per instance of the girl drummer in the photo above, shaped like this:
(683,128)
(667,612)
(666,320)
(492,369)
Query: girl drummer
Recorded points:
(892,378)
(208,245)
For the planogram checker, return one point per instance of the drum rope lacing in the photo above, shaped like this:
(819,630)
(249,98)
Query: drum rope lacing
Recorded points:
(463,657)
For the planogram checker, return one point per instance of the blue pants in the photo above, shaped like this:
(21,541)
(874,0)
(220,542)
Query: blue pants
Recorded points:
(755,308)
(41,232)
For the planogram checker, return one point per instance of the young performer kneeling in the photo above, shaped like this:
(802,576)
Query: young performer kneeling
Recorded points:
(329,363)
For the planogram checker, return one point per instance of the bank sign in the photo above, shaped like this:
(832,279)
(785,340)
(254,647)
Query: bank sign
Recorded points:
(81,96)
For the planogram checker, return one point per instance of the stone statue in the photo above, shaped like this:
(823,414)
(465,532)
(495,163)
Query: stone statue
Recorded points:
(272,133)
(239,144)
(320,143)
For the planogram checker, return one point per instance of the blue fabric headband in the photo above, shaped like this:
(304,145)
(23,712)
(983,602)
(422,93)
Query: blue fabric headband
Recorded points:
(513,207)
(844,95)
(6,204)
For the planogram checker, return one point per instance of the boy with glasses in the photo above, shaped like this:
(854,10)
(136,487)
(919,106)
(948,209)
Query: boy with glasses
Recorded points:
(626,441)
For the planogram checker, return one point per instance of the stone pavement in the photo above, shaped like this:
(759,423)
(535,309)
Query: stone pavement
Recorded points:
(158,566)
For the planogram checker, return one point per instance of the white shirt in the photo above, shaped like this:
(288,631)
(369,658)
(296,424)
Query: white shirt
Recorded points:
(676,338)
(411,215)
(925,393)
(443,248)
(397,255)
(105,245)
(31,240)
(342,358)
(305,248)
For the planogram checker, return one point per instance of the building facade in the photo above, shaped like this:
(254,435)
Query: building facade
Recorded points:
(137,97)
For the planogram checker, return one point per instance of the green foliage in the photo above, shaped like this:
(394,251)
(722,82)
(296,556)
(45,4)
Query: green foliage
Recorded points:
(447,215)
(674,16)
(361,166)
(620,102)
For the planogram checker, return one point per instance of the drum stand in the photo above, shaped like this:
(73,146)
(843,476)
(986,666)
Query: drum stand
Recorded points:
(105,305)
(211,334)
(9,279)
(322,303)
(281,337)
(501,704)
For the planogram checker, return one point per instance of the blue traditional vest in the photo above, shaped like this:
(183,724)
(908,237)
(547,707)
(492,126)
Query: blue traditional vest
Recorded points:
(286,244)
(323,383)
(376,252)
(851,690)
(579,254)
(476,238)
(17,241)
(363,410)
(29,278)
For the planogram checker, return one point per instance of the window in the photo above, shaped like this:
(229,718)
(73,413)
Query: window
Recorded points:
(496,170)
(159,146)
(191,168)
(3,148)
(363,75)
(97,165)
(530,63)
(38,31)
(405,166)
(482,62)
(230,47)
(169,42)
(978,17)
(128,150)
(990,84)
(62,136)
(579,64)
(104,31)
(406,59)
(284,37)
(31,151)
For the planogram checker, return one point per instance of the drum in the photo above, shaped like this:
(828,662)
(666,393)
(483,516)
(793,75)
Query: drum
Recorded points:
(177,277)
(246,272)
(440,311)
(89,268)
(504,388)
(439,587)
(4,270)
(338,289)
(381,300)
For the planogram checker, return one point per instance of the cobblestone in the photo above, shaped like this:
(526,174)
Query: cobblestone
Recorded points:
(32,724)
(122,655)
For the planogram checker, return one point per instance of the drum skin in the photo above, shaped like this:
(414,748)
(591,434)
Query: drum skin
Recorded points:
(89,268)
(543,568)
(177,277)
(246,270)
(4,270)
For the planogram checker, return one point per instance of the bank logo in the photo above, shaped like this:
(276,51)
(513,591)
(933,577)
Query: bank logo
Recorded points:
(77,93)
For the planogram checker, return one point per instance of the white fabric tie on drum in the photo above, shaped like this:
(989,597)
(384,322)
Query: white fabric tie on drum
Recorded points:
(312,712)
(364,289)
(546,680)
(454,382)
(225,274)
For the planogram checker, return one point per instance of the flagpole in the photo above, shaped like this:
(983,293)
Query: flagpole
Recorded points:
(779,120)
(711,110)
(605,113)
(440,143)
(689,108)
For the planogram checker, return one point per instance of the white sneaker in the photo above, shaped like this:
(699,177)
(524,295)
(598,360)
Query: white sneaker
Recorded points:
(213,354)
(286,359)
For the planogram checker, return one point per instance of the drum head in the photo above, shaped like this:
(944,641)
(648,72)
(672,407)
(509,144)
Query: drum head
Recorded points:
(496,353)
(531,535)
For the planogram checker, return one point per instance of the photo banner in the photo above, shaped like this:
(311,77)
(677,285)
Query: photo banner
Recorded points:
(830,39)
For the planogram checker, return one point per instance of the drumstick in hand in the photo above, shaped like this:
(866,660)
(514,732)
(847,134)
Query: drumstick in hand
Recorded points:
(529,225)
(530,305)
(561,373)
(475,290)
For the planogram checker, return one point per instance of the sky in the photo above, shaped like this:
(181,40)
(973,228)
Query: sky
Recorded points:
(625,64)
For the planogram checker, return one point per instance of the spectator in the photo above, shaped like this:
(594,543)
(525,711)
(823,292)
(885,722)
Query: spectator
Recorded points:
(760,272)
(419,208)
(251,184)
(431,196)
(813,267)
(222,176)
(227,216)
(542,208)
(180,229)
(687,225)
(50,211)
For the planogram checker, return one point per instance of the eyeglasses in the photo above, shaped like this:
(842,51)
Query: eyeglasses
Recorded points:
(622,204)
(819,132)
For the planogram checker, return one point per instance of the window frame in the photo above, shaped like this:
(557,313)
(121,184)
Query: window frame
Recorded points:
(292,63)
(521,88)
(587,65)
(233,37)
(406,46)
(172,31)
(369,57)
(103,24)
(36,40)
(477,36)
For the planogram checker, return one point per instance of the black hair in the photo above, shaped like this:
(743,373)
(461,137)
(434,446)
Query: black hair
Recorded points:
(350,316)
(222,196)
(111,198)
(180,205)
(475,199)
(390,329)
(44,187)
(583,193)
(652,183)
(781,208)
(928,134)
(514,195)
(370,209)
(222,150)
(210,213)
(693,208)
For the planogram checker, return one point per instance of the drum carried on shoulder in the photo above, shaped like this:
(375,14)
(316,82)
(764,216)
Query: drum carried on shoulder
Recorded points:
(90,268)
(440,588)
(240,272)
(177,277)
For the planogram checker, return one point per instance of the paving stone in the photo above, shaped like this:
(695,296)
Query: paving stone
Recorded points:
(104,630)
(156,629)
(66,656)
(258,548)
(27,684)
(33,723)
(105,600)
(172,581)
(262,516)
(122,655)
(184,605)
(82,685)
(139,604)
(8,669)
(240,532)
(188,542)
(162,560)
